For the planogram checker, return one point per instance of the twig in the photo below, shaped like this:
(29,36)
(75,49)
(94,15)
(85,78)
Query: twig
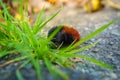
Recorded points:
(11,61)
(116,6)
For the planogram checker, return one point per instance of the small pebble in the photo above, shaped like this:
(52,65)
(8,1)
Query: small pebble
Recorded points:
(113,75)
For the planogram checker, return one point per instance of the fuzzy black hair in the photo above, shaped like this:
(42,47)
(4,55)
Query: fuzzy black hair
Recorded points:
(62,38)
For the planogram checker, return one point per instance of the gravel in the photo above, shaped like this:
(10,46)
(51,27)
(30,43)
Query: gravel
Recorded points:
(107,50)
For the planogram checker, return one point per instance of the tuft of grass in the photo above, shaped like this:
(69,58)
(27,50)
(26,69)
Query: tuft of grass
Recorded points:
(17,36)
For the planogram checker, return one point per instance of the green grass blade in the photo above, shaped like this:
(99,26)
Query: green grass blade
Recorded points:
(37,67)
(4,9)
(53,70)
(21,10)
(95,61)
(3,53)
(2,35)
(54,33)
(25,63)
(38,21)
(7,17)
(19,76)
(61,60)
(91,35)
(45,22)
(84,48)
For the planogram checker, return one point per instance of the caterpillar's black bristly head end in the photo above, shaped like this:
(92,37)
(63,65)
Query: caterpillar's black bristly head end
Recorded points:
(65,36)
